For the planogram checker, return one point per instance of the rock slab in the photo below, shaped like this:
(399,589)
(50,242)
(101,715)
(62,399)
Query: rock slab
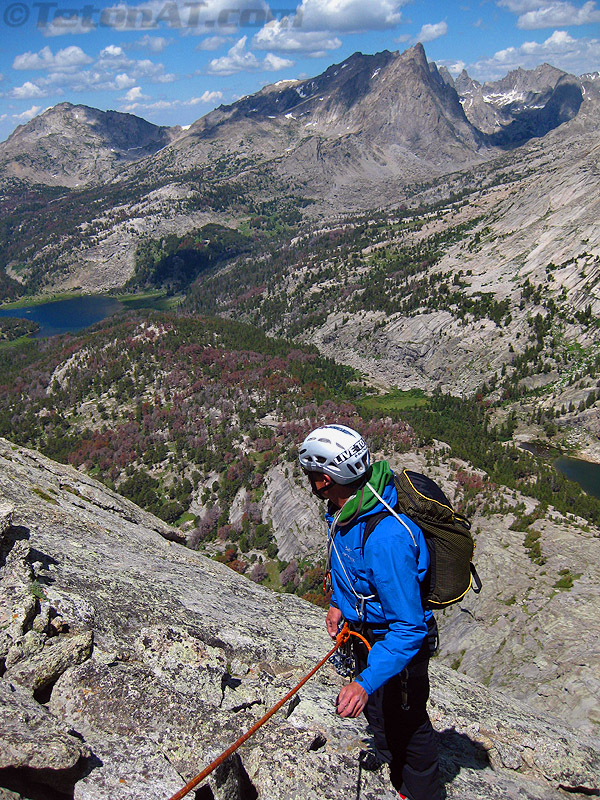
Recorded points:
(168,657)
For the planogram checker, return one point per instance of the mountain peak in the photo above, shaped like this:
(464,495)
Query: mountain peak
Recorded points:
(70,145)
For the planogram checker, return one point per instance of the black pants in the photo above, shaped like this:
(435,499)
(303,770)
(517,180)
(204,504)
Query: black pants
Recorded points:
(402,731)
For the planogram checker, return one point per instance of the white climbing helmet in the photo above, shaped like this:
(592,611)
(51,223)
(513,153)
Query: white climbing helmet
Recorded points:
(337,451)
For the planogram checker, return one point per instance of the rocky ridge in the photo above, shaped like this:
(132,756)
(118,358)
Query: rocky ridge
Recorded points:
(529,230)
(124,672)
(73,145)
(356,137)
(523,104)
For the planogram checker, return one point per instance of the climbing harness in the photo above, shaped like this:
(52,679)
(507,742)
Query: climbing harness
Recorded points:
(343,661)
(342,637)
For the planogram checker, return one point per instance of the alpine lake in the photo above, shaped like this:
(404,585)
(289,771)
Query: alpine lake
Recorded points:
(73,314)
(585,473)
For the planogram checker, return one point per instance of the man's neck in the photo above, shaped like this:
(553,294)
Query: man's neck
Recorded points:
(339,496)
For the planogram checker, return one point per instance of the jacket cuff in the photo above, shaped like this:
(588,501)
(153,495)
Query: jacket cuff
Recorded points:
(365,684)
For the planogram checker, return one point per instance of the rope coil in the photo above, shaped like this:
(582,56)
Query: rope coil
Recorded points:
(342,637)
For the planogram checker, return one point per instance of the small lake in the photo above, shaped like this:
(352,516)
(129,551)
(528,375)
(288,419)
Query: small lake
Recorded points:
(66,316)
(585,473)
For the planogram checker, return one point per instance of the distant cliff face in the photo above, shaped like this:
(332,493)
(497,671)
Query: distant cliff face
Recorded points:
(522,105)
(355,130)
(128,663)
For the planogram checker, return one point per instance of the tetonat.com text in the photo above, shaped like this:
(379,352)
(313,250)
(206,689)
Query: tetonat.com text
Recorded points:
(121,17)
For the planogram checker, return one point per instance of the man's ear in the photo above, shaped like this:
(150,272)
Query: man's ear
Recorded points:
(328,480)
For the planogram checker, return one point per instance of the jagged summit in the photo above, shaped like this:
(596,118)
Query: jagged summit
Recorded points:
(383,99)
(358,130)
(522,105)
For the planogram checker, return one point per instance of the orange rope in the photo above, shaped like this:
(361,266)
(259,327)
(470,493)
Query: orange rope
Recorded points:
(358,636)
(341,639)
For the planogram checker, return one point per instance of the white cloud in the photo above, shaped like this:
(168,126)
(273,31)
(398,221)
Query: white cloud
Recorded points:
(69,58)
(558,14)
(534,14)
(135,94)
(274,63)
(348,15)
(112,70)
(124,81)
(25,116)
(520,6)
(112,51)
(160,105)
(279,35)
(207,97)
(168,105)
(561,50)
(28,91)
(211,43)
(154,44)
(238,59)
(430,32)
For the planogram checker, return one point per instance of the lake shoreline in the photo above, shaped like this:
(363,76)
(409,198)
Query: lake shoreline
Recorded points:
(71,313)
(550,452)
(120,296)
(571,463)
(40,300)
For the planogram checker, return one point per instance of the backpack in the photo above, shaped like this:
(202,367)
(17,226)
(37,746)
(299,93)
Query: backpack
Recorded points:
(448,536)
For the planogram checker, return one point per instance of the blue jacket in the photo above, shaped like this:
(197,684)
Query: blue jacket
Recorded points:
(392,570)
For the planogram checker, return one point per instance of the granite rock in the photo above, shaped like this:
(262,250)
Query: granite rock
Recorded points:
(187,655)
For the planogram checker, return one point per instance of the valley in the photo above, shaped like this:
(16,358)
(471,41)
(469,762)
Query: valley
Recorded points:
(425,271)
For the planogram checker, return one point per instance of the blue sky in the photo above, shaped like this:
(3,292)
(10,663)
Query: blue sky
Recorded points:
(172,61)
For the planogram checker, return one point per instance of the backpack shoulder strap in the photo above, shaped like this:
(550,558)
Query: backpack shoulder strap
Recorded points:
(394,511)
(370,526)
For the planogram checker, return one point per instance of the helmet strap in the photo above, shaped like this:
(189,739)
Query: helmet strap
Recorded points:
(317,492)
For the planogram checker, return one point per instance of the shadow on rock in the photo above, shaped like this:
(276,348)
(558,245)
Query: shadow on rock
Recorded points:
(457,752)
(9,538)
(231,780)
(47,784)
(36,556)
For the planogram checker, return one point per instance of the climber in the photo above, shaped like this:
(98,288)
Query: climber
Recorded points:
(376,588)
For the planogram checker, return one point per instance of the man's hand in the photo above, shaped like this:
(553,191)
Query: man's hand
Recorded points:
(351,700)
(334,616)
